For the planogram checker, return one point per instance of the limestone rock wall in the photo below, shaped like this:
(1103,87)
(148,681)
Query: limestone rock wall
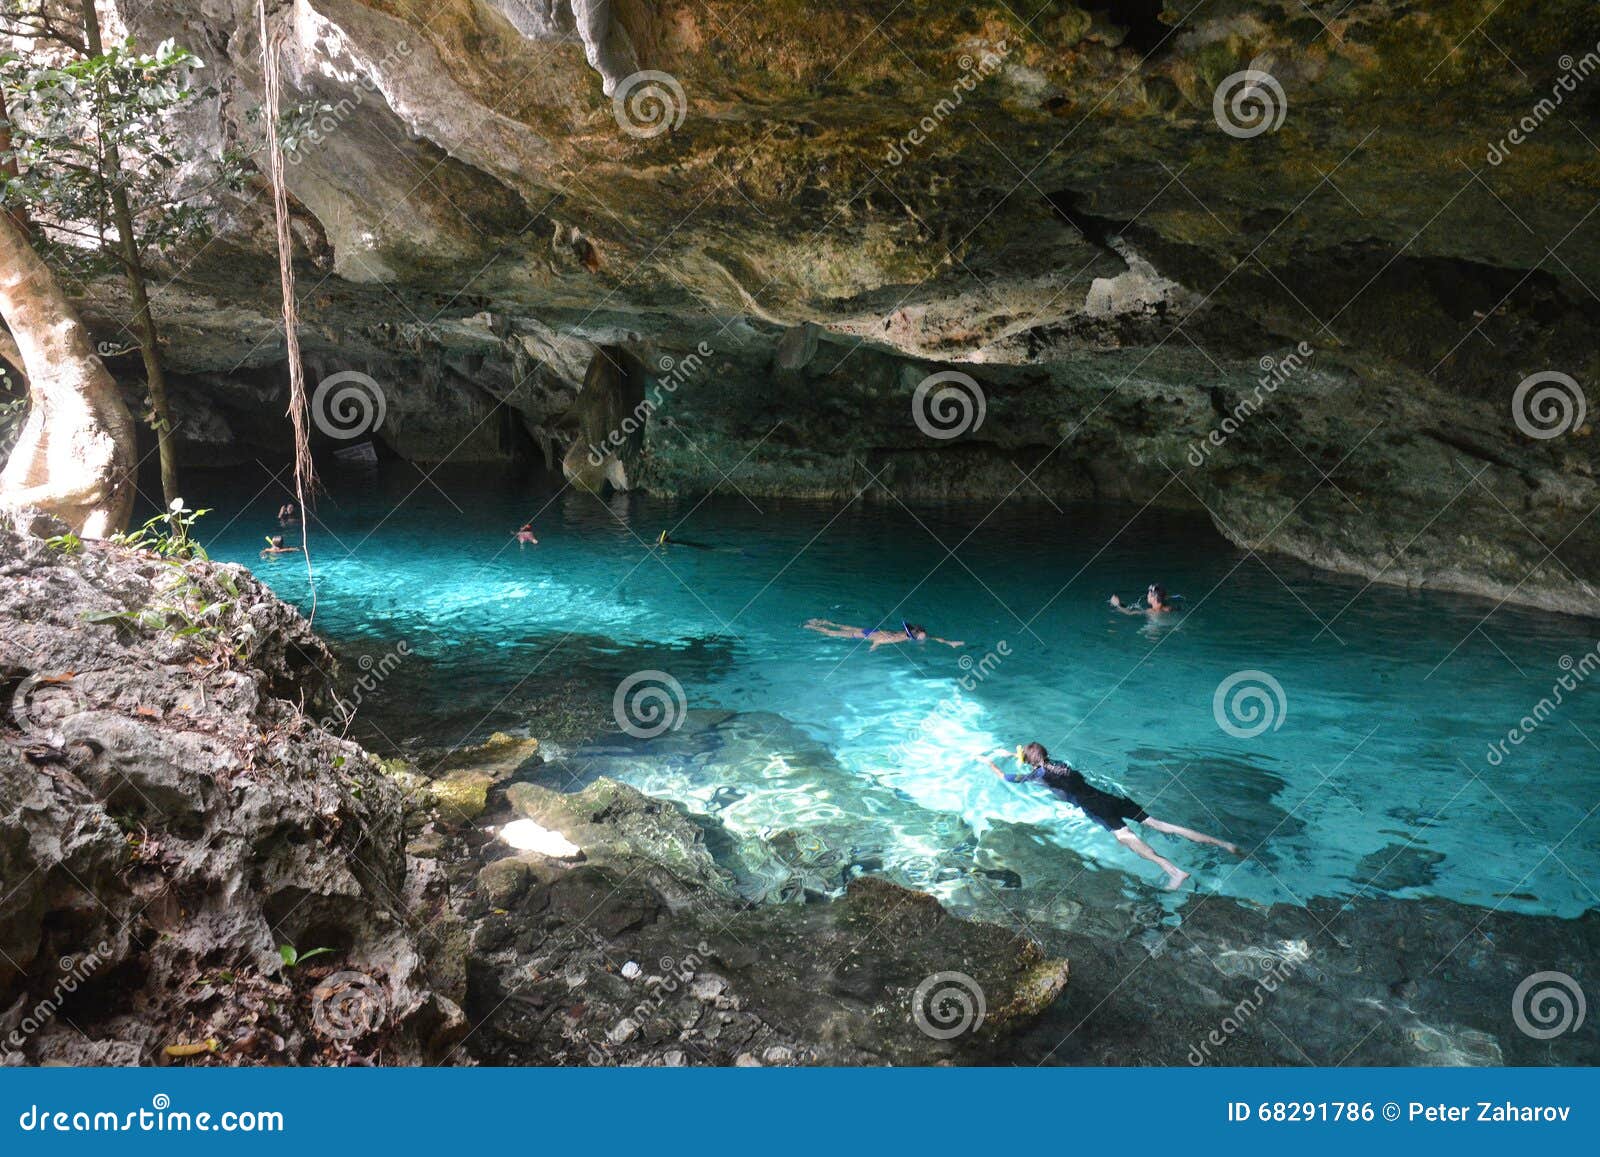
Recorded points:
(1100,214)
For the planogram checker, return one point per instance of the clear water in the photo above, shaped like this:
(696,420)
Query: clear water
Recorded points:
(1375,779)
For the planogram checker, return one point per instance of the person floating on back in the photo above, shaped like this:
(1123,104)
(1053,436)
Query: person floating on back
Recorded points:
(1156,602)
(275,546)
(1111,812)
(525,534)
(909,633)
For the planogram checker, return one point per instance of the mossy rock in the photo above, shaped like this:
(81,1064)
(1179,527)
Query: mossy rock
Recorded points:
(462,796)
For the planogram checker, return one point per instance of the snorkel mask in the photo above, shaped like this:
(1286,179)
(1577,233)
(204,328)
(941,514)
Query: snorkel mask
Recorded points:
(1021,762)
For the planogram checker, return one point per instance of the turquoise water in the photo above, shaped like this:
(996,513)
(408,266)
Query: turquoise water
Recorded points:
(1374,777)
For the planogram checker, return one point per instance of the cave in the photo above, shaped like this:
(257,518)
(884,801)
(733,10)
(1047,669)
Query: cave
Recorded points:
(712,535)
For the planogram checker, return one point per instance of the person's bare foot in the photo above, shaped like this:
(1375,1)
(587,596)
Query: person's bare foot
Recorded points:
(1175,879)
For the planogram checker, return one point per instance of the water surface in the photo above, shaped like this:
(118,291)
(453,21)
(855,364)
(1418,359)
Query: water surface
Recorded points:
(1375,776)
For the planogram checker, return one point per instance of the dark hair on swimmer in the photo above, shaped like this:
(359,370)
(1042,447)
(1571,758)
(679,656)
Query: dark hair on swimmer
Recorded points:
(1160,592)
(276,540)
(914,630)
(1034,754)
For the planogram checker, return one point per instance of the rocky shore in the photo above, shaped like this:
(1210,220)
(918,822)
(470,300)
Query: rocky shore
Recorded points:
(193,872)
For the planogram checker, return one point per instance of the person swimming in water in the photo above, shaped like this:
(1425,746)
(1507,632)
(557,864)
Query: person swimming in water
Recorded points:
(525,534)
(275,546)
(666,539)
(1111,812)
(908,633)
(1156,602)
(286,514)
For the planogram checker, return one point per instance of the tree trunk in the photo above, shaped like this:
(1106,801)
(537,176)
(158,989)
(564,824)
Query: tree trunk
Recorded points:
(75,455)
(128,251)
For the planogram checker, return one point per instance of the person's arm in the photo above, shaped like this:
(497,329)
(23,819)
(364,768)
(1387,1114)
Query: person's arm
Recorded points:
(1020,777)
(1117,605)
(949,642)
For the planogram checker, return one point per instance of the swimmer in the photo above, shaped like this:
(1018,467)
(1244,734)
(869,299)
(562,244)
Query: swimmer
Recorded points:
(1157,602)
(1111,812)
(525,534)
(275,546)
(908,633)
(666,539)
(286,514)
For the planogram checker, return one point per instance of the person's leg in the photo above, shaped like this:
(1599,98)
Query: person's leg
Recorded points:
(1190,834)
(1175,874)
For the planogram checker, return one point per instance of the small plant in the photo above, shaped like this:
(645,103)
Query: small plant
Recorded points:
(68,543)
(167,534)
(292,958)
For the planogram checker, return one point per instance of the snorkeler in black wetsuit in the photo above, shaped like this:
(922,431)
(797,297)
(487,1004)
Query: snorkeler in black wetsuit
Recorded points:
(1111,812)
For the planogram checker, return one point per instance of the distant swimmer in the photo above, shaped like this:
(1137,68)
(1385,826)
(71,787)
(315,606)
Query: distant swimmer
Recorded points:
(525,534)
(908,633)
(275,546)
(666,539)
(1111,812)
(286,514)
(1156,602)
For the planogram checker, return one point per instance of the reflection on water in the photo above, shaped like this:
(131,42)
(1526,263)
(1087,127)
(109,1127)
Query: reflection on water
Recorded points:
(824,758)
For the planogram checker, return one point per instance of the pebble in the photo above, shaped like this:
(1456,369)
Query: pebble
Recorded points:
(631,970)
